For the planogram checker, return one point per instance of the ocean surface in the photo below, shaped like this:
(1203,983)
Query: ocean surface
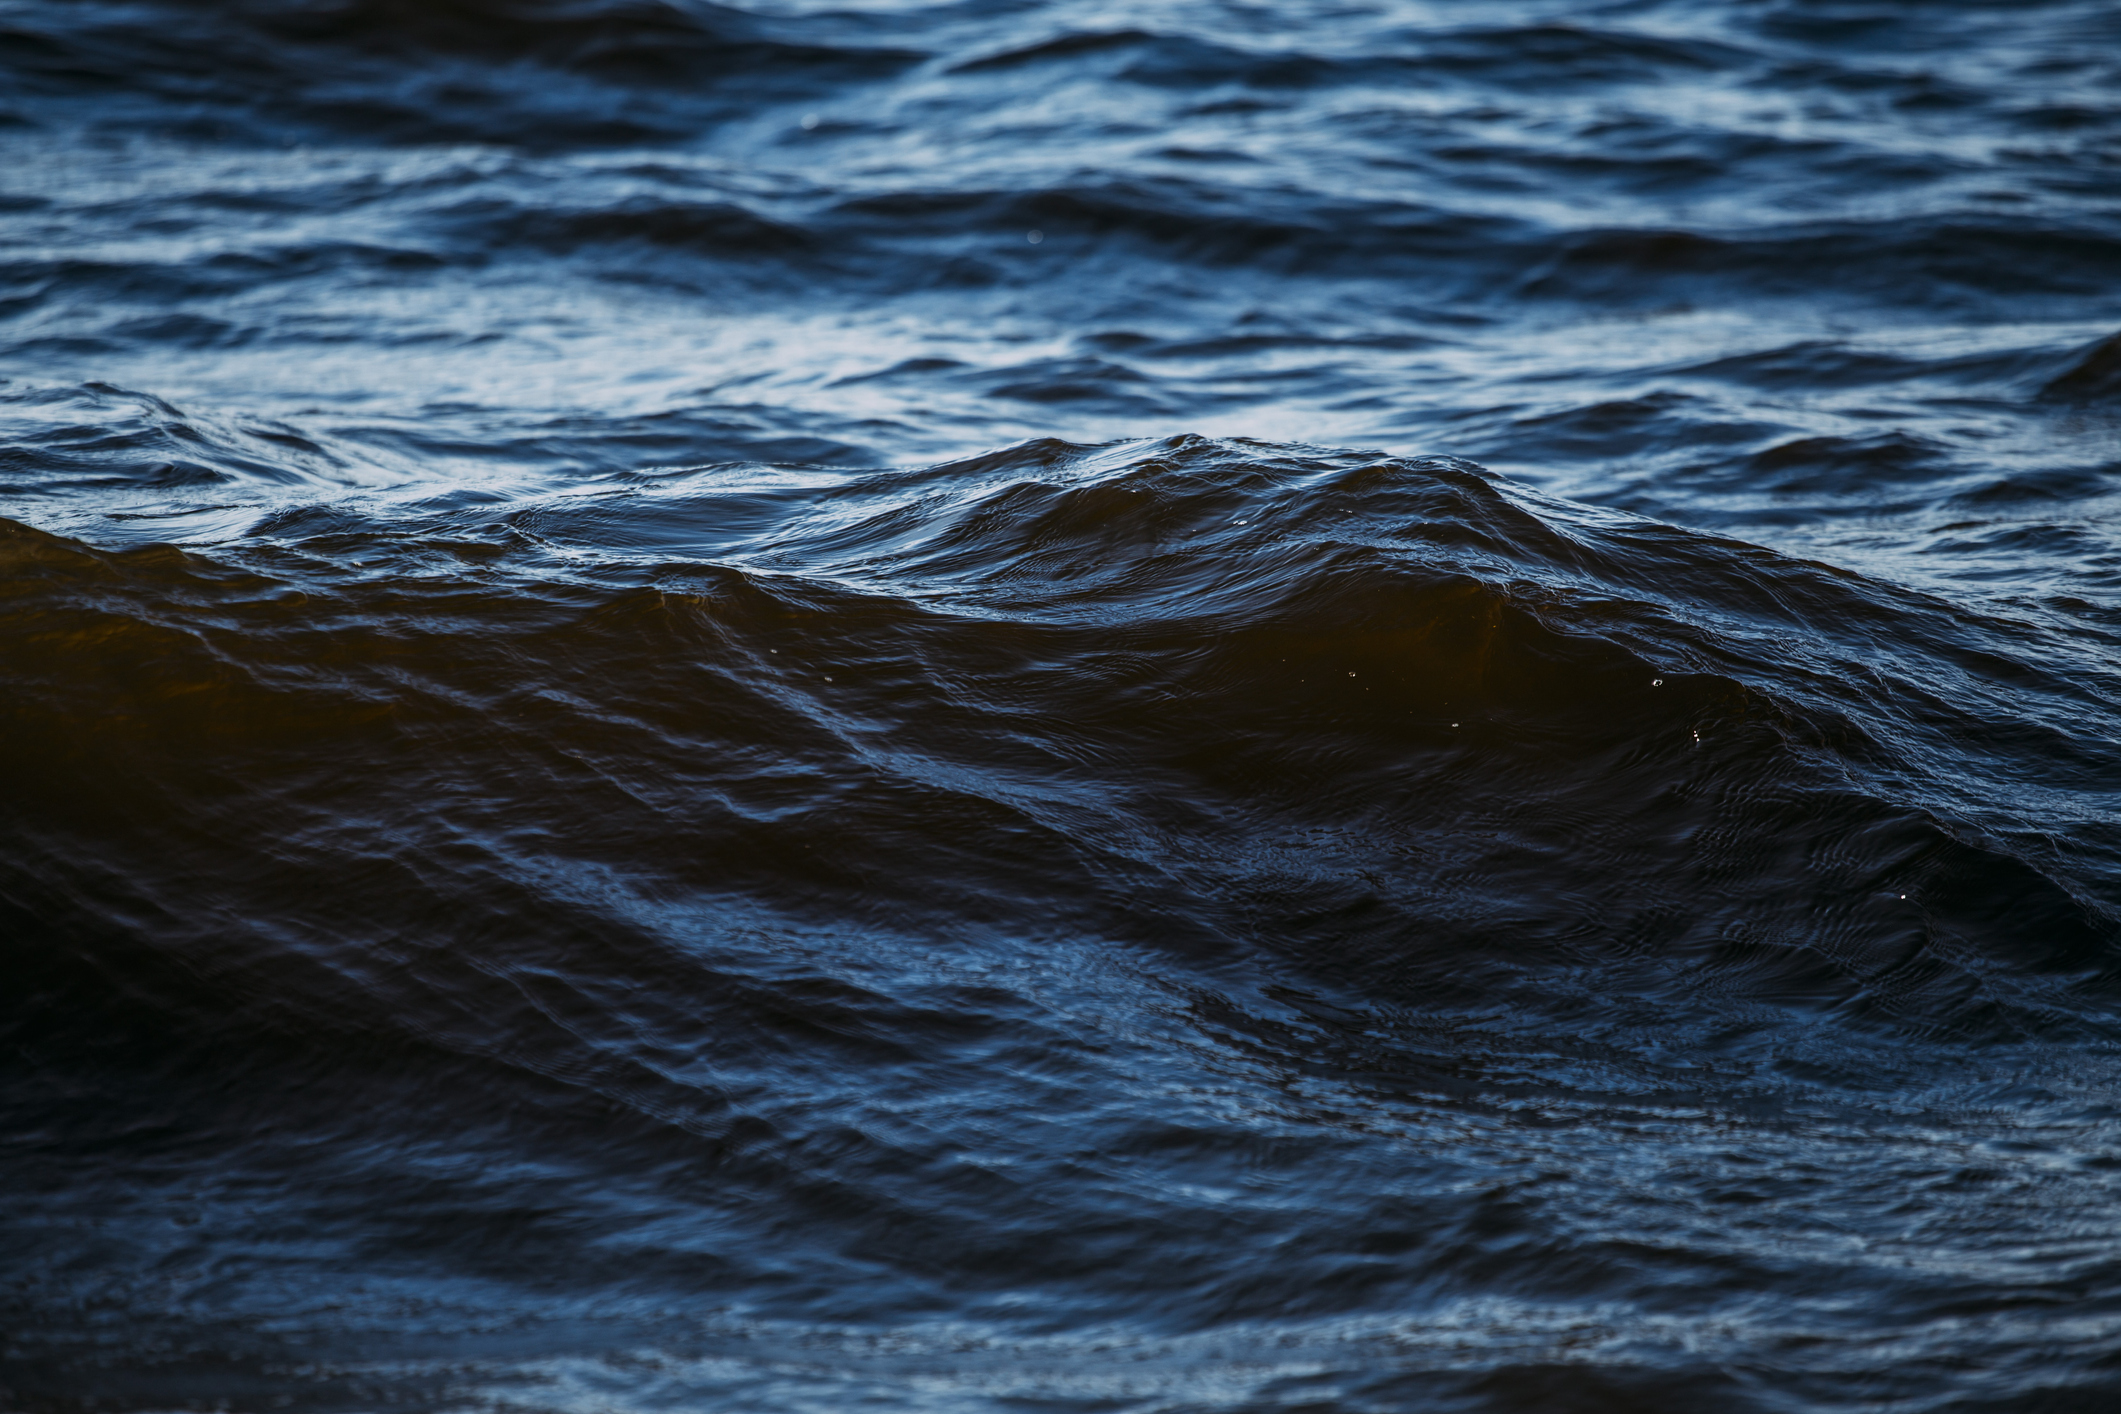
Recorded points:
(1047,707)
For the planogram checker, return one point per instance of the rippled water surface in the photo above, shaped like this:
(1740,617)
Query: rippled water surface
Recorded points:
(1031,705)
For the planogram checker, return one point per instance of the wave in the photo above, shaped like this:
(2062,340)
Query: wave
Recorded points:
(2094,376)
(1480,263)
(523,72)
(565,844)
(1544,54)
(58,442)
(1385,725)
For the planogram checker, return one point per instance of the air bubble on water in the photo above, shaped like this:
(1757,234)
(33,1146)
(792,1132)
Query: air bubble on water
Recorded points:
(1034,236)
(1656,682)
(809,121)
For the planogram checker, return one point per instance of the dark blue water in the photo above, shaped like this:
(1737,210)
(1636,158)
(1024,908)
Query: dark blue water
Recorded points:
(1025,705)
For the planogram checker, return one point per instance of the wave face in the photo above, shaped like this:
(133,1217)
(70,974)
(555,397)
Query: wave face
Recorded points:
(984,707)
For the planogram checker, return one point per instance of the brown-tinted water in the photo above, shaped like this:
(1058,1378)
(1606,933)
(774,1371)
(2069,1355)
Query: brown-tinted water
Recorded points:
(1011,706)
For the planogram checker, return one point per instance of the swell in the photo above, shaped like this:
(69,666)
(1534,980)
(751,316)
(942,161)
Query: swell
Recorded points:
(816,902)
(1153,231)
(1374,725)
(572,888)
(541,74)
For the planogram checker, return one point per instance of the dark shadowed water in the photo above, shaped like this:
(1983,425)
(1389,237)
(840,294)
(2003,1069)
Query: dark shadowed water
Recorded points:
(1033,705)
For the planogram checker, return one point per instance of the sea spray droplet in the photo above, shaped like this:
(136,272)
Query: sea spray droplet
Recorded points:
(1034,237)
(809,122)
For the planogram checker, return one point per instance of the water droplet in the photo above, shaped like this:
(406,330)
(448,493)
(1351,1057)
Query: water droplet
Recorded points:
(1034,236)
(809,121)
(1656,682)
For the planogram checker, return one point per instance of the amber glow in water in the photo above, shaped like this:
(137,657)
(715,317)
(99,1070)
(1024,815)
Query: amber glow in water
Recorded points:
(1031,706)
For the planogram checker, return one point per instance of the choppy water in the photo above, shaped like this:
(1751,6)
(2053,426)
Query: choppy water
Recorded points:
(1031,705)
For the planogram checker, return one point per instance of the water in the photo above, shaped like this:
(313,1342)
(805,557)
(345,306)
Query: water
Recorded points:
(1025,705)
